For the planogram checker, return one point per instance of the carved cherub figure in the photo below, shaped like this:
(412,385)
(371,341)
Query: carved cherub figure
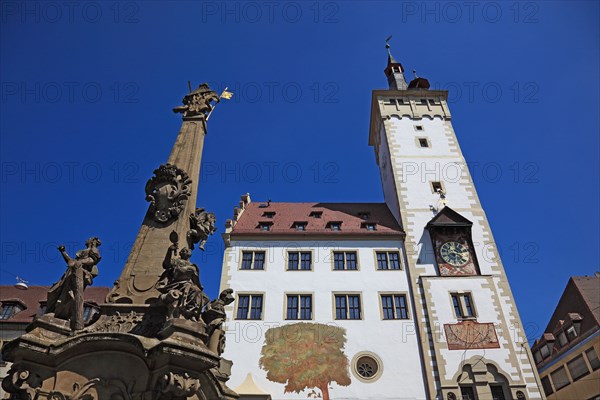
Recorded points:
(202,225)
(180,286)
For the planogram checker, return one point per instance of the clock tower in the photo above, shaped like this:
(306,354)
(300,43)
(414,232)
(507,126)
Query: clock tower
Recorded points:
(470,334)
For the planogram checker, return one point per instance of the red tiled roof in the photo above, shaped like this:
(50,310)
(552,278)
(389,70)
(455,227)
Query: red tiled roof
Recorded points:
(286,214)
(32,297)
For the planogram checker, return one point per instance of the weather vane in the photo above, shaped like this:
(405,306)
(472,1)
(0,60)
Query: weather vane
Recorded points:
(387,43)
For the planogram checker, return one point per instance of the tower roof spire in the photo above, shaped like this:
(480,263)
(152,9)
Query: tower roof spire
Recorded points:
(394,70)
(391,59)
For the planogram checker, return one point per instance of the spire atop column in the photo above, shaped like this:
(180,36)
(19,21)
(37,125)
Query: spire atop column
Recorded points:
(394,70)
(172,193)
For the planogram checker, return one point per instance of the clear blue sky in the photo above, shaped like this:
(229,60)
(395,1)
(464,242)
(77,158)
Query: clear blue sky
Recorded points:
(87,93)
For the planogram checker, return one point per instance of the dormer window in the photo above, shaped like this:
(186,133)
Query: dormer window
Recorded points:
(316,214)
(300,226)
(9,309)
(545,351)
(269,214)
(335,226)
(571,333)
(370,226)
(265,226)
(364,215)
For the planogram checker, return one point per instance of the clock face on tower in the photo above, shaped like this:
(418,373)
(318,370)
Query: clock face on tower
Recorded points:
(454,254)
(452,243)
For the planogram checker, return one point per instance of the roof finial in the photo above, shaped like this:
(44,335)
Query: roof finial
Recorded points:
(415,73)
(387,44)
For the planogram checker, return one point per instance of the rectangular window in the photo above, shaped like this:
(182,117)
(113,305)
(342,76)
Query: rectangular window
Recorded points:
(388,260)
(249,306)
(547,386)
(562,339)
(467,393)
(306,261)
(87,312)
(269,214)
(545,351)
(538,357)
(316,214)
(571,333)
(347,306)
(364,215)
(253,260)
(299,260)
(560,378)
(423,142)
(593,358)
(463,305)
(419,127)
(577,367)
(299,306)
(394,306)
(437,187)
(293,260)
(344,260)
(497,392)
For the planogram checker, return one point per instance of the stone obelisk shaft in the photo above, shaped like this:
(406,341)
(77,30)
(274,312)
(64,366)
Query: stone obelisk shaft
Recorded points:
(144,266)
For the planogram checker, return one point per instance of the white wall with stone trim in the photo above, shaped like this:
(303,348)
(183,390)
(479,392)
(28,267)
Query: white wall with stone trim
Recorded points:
(393,341)
(414,168)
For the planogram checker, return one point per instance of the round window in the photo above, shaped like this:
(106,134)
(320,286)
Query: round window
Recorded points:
(367,367)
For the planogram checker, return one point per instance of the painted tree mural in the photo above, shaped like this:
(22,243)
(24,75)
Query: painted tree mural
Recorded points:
(306,356)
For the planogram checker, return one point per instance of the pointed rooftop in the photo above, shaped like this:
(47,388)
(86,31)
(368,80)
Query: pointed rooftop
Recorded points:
(394,71)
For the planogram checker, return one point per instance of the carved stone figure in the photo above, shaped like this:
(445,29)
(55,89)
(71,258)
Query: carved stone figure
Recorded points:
(198,102)
(180,286)
(65,297)
(214,317)
(168,191)
(202,225)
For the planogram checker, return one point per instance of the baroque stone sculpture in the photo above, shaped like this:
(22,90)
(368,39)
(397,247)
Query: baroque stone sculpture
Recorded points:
(157,337)
(180,286)
(65,297)
(167,191)
(198,102)
(202,225)
(214,317)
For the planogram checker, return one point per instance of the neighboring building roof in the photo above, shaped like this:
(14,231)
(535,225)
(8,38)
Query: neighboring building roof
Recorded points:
(578,308)
(353,217)
(582,296)
(589,288)
(35,295)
